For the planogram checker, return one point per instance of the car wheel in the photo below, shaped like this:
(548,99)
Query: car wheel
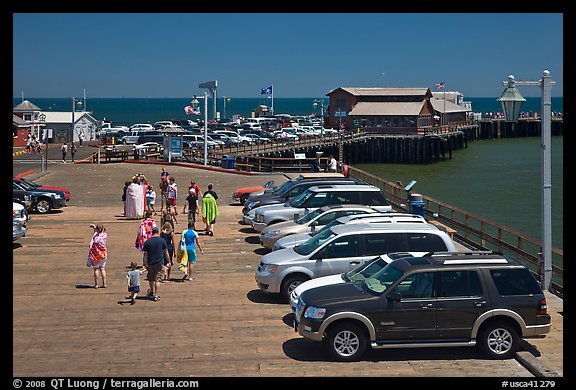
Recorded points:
(43,206)
(499,340)
(346,342)
(243,199)
(289,284)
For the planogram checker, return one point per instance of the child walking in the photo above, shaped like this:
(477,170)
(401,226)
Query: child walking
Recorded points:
(133,280)
(151,198)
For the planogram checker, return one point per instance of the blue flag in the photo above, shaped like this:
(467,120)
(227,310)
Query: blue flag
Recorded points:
(266,91)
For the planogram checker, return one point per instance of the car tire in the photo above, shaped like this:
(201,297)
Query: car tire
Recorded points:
(289,284)
(498,340)
(43,206)
(243,199)
(346,342)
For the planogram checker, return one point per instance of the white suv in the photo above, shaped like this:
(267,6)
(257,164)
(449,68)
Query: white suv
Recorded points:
(319,196)
(340,249)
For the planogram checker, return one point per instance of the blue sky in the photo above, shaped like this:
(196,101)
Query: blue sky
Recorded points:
(301,55)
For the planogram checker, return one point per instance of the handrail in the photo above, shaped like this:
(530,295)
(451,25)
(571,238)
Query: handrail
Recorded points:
(475,231)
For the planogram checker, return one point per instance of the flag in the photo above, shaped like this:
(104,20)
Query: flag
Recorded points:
(440,85)
(266,91)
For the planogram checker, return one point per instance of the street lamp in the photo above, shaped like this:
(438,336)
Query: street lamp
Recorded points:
(226,98)
(315,104)
(42,120)
(511,101)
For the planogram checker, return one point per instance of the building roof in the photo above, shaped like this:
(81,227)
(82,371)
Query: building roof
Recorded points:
(16,120)
(66,117)
(26,106)
(388,108)
(438,105)
(384,91)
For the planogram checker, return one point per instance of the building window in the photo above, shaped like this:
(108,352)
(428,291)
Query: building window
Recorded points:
(28,117)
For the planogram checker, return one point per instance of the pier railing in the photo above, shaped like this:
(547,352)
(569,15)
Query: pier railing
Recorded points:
(474,231)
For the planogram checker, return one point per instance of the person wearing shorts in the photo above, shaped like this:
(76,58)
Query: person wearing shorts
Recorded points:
(155,253)
(191,241)
(172,193)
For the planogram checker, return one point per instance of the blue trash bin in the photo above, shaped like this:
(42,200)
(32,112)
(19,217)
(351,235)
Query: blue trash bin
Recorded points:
(417,205)
(230,162)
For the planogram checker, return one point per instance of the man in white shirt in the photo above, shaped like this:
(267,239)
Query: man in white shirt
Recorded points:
(332,164)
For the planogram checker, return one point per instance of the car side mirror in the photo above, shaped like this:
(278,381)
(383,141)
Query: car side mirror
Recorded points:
(313,226)
(393,297)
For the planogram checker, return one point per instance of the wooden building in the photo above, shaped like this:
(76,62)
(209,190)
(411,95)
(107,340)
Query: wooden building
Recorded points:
(392,110)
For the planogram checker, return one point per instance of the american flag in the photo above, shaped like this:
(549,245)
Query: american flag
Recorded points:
(440,85)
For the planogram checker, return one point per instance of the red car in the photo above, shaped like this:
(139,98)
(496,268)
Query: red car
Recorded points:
(43,187)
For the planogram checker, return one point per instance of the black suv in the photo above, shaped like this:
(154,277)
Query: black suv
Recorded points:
(438,300)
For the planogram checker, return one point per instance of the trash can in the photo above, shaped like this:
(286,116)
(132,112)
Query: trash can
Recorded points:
(416,204)
(230,162)
(224,162)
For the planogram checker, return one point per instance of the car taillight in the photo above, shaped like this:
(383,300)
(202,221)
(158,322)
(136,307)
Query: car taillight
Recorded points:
(542,307)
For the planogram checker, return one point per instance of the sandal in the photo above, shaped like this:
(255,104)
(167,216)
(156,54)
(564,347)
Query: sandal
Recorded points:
(103,286)
(156,298)
(95,286)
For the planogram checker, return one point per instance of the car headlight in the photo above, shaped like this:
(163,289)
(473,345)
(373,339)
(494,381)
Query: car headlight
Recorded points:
(57,196)
(316,313)
(259,218)
(271,233)
(271,268)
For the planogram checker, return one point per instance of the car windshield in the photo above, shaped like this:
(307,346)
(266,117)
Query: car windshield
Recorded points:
(314,243)
(326,227)
(29,182)
(381,280)
(25,186)
(309,217)
(365,270)
(298,201)
(282,188)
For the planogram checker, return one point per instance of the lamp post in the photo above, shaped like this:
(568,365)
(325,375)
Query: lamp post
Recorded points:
(44,162)
(511,101)
(315,104)
(206,127)
(226,98)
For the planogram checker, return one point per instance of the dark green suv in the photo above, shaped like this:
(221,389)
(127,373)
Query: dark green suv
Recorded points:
(443,300)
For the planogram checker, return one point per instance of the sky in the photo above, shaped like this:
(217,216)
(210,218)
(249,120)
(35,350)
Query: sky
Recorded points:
(58,55)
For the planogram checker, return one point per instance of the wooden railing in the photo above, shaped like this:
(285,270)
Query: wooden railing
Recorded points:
(474,231)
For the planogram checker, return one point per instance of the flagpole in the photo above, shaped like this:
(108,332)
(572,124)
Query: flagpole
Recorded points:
(272,99)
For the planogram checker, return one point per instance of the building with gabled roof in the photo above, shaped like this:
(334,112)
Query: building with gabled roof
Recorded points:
(391,110)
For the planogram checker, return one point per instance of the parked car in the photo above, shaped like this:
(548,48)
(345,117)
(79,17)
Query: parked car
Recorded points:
(288,190)
(374,218)
(43,187)
(310,222)
(43,201)
(236,136)
(19,218)
(360,273)
(241,194)
(142,127)
(318,196)
(488,301)
(340,249)
(228,142)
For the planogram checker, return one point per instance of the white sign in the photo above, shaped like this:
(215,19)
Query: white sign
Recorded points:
(300,156)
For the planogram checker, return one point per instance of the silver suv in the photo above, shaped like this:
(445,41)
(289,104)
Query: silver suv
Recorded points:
(319,196)
(340,249)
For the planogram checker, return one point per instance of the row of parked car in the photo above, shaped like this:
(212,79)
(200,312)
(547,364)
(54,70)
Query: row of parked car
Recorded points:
(358,275)
(32,197)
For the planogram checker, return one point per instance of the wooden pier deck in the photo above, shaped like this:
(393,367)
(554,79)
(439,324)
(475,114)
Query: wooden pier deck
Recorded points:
(219,325)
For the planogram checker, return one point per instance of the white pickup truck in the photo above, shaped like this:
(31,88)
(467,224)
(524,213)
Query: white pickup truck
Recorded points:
(107,127)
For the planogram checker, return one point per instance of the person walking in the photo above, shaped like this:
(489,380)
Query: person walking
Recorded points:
(172,193)
(98,254)
(155,253)
(151,199)
(192,206)
(126,184)
(209,209)
(168,235)
(190,240)
(196,188)
(73,150)
(144,231)
(134,200)
(163,187)
(64,150)
(332,164)
(133,280)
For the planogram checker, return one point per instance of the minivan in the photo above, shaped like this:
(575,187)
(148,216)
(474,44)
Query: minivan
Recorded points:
(340,249)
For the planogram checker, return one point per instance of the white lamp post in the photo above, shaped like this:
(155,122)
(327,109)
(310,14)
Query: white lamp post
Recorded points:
(226,98)
(511,101)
